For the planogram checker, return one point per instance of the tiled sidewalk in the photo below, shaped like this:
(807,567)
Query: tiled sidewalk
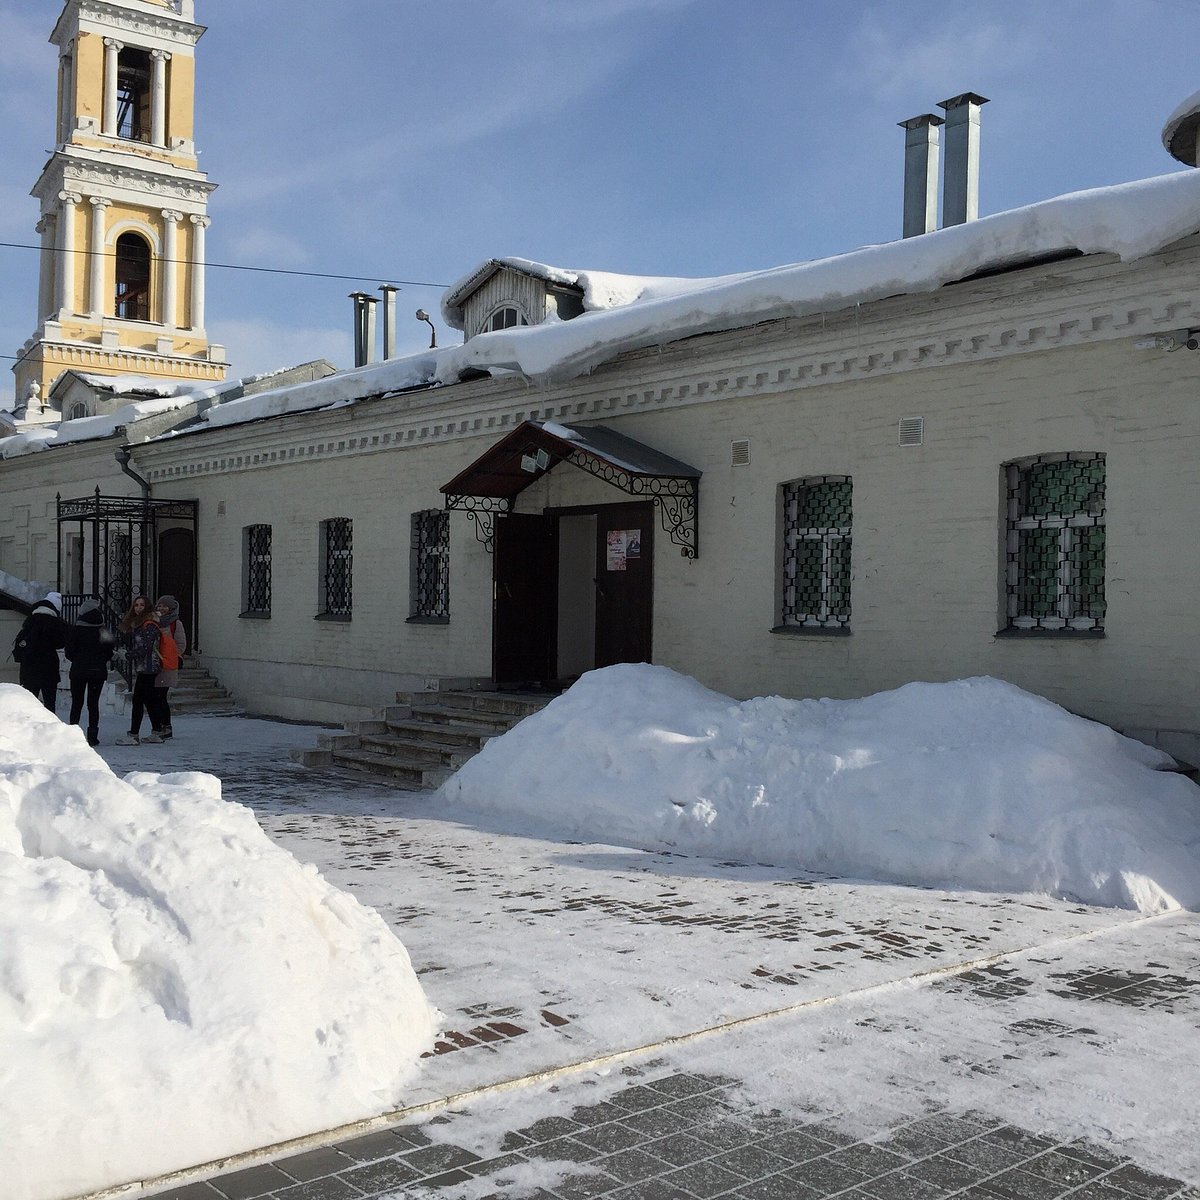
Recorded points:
(677,1136)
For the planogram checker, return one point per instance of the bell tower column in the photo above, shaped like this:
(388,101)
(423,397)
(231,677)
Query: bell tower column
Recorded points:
(96,257)
(112,55)
(199,225)
(65,300)
(158,97)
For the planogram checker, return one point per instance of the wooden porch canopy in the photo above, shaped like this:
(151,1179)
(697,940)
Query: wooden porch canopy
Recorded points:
(493,481)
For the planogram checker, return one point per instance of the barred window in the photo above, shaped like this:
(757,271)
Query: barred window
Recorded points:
(1054,569)
(256,570)
(337,567)
(816,552)
(429,564)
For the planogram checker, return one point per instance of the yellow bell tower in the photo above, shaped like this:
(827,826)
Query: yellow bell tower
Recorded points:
(123,206)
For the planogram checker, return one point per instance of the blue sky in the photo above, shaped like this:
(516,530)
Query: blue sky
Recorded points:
(411,139)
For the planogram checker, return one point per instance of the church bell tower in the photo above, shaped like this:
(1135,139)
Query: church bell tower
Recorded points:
(123,205)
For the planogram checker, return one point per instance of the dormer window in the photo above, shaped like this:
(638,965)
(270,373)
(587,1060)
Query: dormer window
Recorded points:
(79,410)
(133,278)
(133,95)
(504,318)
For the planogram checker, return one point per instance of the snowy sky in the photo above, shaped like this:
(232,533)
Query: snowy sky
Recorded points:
(669,137)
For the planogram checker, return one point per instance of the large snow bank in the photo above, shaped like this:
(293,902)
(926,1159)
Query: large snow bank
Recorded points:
(974,784)
(173,986)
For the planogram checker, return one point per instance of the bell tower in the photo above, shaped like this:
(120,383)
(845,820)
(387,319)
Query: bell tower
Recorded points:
(123,205)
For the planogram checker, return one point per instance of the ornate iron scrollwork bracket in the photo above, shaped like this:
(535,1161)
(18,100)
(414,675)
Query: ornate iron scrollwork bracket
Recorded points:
(675,496)
(481,512)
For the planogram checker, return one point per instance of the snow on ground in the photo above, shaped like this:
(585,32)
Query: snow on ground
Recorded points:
(174,987)
(973,784)
(638,949)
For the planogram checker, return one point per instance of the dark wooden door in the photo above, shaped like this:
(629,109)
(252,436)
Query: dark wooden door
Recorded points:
(177,575)
(624,583)
(525,610)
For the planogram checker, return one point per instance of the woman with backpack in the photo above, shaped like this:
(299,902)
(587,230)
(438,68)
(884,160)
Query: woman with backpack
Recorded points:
(89,650)
(143,656)
(171,648)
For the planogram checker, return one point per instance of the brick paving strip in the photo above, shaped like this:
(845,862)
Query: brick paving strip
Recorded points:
(676,1136)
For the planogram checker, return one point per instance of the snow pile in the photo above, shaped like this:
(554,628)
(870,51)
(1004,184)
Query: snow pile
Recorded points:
(173,986)
(972,784)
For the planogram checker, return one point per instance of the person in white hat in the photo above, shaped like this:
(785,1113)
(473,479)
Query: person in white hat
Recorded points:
(36,649)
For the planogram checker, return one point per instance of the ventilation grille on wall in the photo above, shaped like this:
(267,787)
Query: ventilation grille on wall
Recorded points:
(739,452)
(912,431)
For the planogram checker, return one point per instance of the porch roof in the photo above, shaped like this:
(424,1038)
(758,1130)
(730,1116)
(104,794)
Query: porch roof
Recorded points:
(514,462)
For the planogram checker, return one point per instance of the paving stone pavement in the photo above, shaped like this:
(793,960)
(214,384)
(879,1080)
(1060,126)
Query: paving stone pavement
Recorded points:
(685,1124)
(677,1135)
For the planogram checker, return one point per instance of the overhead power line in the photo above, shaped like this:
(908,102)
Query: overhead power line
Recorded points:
(235,266)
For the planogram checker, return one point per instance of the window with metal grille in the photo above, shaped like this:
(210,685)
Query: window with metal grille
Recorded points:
(429,564)
(256,571)
(337,567)
(816,552)
(1054,553)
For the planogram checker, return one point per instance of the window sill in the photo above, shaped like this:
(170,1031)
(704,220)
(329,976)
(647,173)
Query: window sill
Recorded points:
(336,618)
(427,620)
(254,616)
(812,630)
(1051,634)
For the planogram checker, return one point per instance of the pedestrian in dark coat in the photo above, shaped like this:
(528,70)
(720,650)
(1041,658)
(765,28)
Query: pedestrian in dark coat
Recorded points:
(89,649)
(43,635)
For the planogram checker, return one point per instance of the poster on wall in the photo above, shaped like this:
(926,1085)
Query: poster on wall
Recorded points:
(623,544)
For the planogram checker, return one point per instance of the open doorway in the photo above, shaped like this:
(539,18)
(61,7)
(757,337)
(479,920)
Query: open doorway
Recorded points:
(573,591)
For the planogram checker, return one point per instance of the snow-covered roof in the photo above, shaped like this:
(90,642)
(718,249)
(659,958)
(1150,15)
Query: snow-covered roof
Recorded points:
(87,429)
(126,385)
(625,312)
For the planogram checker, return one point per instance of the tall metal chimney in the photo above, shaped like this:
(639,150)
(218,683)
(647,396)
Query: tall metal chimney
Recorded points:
(960,188)
(389,291)
(364,327)
(920,173)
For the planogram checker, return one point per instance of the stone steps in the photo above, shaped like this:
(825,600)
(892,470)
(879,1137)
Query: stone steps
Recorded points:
(420,741)
(198,692)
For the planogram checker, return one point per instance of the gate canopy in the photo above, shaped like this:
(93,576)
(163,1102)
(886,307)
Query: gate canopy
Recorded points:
(494,480)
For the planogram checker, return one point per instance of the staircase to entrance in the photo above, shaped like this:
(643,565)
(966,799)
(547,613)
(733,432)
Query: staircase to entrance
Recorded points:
(419,742)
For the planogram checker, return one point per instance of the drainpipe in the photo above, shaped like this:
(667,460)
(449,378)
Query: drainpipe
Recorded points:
(960,188)
(921,149)
(122,456)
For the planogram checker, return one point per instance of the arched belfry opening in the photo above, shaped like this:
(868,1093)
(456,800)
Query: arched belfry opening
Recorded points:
(133,94)
(133,278)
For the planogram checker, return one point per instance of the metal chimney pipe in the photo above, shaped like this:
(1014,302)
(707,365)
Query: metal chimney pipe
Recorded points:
(389,291)
(364,327)
(960,188)
(921,148)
